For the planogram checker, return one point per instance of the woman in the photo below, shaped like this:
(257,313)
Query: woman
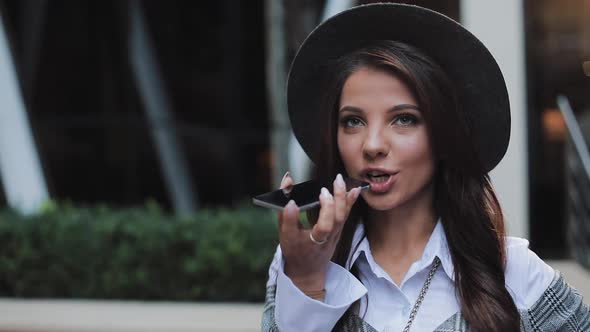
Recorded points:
(408,100)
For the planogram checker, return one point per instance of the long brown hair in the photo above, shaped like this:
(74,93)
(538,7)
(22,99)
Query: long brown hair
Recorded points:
(464,198)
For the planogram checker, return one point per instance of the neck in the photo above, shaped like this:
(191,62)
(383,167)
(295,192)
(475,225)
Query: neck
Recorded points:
(400,234)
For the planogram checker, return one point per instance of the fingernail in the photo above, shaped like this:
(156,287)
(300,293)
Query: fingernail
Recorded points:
(286,175)
(325,192)
(290,207)
(340,181)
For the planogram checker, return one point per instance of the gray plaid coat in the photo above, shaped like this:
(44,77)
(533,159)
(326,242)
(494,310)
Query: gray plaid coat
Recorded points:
(560,308)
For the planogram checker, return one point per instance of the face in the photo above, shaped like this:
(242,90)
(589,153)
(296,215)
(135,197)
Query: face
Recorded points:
(383,139)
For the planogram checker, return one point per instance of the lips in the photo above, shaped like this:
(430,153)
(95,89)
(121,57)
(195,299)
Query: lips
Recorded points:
(381,180)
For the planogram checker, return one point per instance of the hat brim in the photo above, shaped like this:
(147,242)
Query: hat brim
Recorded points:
(476,76)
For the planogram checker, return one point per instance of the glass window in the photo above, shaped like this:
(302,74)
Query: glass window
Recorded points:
(557,41)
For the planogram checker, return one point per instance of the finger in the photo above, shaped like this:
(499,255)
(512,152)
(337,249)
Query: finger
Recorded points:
(290,218)
(352,196)
(325,224)
(280,218)
(285,182)
(340,204)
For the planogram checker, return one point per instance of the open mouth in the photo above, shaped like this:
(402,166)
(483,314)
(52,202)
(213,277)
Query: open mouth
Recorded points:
(381,182)
(377,177)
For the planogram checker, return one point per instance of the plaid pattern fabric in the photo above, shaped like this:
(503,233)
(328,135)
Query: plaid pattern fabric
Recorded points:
(268,312)
(559,309)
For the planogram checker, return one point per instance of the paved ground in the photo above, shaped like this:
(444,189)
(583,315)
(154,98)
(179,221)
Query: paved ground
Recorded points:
(128,316)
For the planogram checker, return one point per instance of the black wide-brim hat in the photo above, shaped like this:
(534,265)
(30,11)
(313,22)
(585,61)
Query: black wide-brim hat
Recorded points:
(474,73)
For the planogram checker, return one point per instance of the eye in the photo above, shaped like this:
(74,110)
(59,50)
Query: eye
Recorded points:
(406,120)
(351,122)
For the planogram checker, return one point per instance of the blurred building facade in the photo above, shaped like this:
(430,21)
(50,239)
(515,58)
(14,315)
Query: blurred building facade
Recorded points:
(96,143)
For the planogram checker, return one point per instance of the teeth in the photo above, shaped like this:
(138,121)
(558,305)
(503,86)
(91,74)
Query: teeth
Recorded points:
(379,178)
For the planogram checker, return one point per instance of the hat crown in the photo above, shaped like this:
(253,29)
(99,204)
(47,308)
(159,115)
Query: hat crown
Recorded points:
(476,76)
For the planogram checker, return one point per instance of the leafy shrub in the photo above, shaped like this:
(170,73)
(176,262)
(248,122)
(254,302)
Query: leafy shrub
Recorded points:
(139,253)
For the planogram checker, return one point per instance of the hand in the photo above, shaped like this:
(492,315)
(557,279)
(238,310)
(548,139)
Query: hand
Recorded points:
(306,262)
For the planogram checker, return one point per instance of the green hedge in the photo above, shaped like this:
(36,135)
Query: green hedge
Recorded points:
(141,253)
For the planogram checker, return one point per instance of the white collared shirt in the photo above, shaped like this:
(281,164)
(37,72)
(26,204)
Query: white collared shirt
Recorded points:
(387,305)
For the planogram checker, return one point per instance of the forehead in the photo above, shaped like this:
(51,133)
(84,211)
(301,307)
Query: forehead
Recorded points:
(374,88)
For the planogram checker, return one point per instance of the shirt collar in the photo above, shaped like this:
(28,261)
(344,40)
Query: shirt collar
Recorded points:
(437,246)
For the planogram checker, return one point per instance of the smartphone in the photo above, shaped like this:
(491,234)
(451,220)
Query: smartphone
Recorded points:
(305,194)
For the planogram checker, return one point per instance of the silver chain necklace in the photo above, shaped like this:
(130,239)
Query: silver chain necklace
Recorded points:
(422,294)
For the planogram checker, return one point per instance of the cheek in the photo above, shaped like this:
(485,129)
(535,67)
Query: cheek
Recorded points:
(349,150)
(415,151)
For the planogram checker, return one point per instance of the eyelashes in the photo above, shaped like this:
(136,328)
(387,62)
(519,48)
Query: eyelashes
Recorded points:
(351,122)
(401,120)
(406,119)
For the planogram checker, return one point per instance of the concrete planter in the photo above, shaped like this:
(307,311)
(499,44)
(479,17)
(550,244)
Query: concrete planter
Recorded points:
(126,316)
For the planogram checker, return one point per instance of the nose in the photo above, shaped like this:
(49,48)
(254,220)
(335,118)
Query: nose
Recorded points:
(376,144)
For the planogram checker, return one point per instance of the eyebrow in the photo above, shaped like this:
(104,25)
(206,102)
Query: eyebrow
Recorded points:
(395,108)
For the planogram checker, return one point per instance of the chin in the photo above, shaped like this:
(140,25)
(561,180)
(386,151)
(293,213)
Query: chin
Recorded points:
(381,202)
